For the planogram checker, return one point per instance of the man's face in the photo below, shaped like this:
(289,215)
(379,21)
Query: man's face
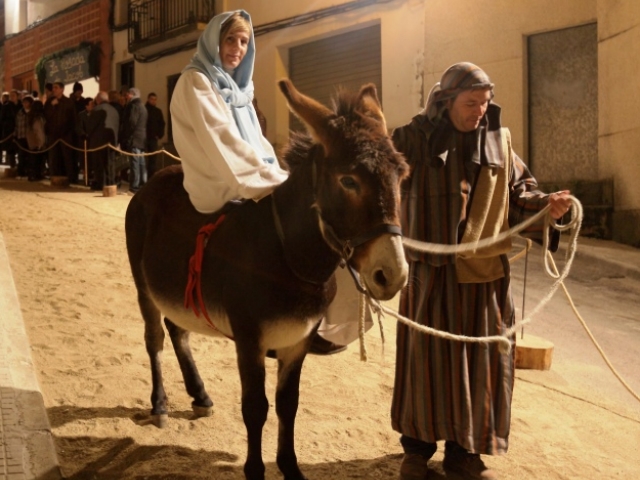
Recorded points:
(57,90)
(468,108)
(152,100)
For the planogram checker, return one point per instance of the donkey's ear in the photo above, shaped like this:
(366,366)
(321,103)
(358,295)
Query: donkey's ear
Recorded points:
(314,115)
(370,105)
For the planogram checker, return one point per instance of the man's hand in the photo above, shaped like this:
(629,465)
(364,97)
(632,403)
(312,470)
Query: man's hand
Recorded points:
(560,204)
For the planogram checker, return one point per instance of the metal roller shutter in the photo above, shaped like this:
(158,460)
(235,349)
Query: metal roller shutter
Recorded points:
(347,60)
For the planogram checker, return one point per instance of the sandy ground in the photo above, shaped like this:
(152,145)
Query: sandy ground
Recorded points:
(68,256)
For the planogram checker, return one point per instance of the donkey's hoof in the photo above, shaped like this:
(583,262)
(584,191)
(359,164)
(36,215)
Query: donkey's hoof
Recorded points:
(159,421)
(199,411)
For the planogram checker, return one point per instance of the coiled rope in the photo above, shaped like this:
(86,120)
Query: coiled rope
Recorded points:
(504,340)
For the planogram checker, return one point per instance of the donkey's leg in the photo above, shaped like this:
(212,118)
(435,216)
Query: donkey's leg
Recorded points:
(193,382)
(154,340)
(254,405)
(287,396)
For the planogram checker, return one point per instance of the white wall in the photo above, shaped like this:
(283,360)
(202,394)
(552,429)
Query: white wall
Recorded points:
(42,9)
(492,34)
(619,101)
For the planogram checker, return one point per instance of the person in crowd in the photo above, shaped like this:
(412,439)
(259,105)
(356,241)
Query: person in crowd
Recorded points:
(61,120)
(224,155)
(84,131)
(36,141)
(82,126)
(155,131)
(115,100)
(133,133)
(78,99)
(10,108)
(466,184)
(21,135)
(106,122)
(48,92)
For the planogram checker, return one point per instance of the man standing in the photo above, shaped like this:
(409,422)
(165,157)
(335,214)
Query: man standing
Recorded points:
(133,132)
(61,117)
(78,99)
(10,108)
(466,184)
(106,124)
(21,135)
(155,131)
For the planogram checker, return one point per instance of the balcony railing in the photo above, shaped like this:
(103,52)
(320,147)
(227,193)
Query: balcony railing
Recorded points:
(157,21)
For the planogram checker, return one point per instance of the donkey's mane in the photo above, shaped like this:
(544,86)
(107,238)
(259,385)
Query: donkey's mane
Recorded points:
(355,126)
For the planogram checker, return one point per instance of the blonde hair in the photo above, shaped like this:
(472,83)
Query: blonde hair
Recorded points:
(234,23)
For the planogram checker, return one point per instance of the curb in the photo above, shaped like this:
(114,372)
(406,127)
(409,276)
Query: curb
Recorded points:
(606,258)
(27,450)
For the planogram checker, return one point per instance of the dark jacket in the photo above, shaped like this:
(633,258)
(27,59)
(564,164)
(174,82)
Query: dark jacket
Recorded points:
(107,122)
(8,118)
(119,108)
(61,119)
(133,130)
(155,122)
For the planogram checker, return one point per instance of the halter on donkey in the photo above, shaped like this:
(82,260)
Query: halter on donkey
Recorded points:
(268,270)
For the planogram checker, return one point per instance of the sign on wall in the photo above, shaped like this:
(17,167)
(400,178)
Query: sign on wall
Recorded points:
(69,68)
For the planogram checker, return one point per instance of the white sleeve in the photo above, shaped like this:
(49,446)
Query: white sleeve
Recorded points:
(235,162)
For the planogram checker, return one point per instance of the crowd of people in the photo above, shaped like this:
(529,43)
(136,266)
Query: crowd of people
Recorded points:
(47,136)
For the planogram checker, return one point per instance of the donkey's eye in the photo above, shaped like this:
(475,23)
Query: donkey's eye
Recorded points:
(348,183)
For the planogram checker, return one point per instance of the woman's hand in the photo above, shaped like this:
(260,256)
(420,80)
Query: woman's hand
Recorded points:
(560,203)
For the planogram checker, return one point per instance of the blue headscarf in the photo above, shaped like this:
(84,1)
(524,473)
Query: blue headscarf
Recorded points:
(236,88)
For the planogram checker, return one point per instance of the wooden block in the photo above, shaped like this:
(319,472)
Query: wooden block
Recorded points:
(109,190)
(61,182)
(11,172)
(533,352)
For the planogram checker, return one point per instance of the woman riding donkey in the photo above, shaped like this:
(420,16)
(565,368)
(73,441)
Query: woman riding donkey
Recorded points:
(225,157)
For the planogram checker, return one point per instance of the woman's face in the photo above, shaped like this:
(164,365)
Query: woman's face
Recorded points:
(234,48)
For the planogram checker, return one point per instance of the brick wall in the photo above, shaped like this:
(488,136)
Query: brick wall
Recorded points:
(88,22)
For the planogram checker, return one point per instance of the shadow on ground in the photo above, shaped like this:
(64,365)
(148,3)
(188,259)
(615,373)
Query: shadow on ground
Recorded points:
(124,459)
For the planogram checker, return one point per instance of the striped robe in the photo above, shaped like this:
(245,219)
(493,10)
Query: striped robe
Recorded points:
(446,390)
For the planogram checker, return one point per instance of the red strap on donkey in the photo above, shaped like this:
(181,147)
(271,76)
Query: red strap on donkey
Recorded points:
(194,282)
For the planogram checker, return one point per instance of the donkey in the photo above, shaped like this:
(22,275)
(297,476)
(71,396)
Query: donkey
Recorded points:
(267,274)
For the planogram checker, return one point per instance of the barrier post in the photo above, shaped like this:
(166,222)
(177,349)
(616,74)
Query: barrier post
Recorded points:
(86,170)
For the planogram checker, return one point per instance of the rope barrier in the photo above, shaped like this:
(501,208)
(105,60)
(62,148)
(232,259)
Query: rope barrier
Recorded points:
(90,150)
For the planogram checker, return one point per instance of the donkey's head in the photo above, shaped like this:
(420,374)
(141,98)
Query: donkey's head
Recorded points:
(357,175)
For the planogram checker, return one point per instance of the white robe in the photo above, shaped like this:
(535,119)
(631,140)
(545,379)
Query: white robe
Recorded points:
(218,164)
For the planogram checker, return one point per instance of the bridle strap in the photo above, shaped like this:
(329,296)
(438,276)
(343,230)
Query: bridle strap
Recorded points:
(347,247)
(344,247)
